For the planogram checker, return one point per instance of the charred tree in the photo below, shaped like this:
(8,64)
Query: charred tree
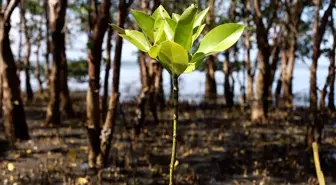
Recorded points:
(13,111)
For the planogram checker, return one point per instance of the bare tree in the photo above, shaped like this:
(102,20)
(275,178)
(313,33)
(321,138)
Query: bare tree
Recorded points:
(107,131)
(260,104)
(13,110)
(24,27)
(292,22)
(210,65)
(57,14)
(98,19)
(47,39)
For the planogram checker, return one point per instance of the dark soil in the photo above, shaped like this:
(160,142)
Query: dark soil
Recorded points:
(217,146)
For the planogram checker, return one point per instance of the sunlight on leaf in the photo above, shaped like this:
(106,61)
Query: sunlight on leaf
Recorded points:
(220,38)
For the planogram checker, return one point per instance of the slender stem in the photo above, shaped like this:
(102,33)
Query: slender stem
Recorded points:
(172,162)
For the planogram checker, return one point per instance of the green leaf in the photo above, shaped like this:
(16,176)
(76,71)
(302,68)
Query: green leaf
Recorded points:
(176,17)
(154,51)
(196,61)
(173,57)
(145,22)
(159,34)
(160,12)
(169,28)
(220,38)
(117,28)
(198,32)
(184,28)
(200,17)
(137,38)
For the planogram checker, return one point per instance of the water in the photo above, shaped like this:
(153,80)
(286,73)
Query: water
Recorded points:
(192,85)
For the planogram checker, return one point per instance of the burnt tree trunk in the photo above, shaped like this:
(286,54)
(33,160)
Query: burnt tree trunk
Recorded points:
(57,9)
(99,17)
(107,131)
(15,126)
(24,27)
(107,72)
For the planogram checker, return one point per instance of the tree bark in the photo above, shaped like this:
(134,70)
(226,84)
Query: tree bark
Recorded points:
(148,76)
(13,111)
(37,52)
(331,100)
(247,43)
(66,103)
(47,39)
(293,18)
(107,72)
(29,91)
(57,20)
(318,32)
(228,94)
(260,105)
(99,18)
(107,131)
(210,65)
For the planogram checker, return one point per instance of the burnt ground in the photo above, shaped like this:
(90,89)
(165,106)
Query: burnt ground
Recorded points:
(217,146)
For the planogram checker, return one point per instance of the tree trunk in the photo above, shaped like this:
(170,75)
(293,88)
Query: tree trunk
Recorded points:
(274,64)
(318,32)
(210,81)
(13,112)
(66,103)
(158,85)
(57,19)
(260,105)
(29,90)
(331,100)
(47,37)
(98,26)
(228,93)
(210,65)
(107,131)
(37,52)
(107,72)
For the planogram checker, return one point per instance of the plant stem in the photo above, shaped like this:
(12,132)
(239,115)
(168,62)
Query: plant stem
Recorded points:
(175,106)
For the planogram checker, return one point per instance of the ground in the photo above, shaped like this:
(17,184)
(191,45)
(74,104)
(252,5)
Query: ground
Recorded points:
(217,146)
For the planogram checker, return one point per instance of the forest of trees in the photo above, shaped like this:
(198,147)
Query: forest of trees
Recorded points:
(279,34)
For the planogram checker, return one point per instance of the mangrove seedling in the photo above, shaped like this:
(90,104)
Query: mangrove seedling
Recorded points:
(169,40)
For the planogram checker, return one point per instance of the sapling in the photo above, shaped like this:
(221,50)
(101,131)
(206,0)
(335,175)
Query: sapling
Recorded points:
(169,40)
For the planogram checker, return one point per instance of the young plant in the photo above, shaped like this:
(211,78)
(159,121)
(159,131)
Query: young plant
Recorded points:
(169,40)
